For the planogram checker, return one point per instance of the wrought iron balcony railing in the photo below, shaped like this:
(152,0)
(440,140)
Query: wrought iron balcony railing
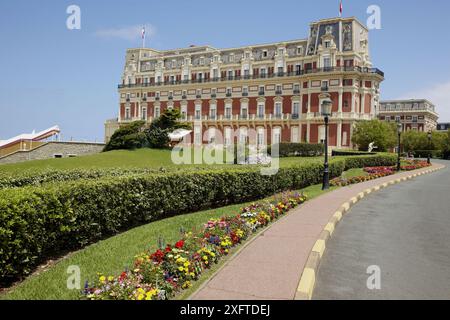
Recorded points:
(237,78)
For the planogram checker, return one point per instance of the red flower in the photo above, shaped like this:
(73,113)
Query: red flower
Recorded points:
(122,276)
(179,244)
(158,256)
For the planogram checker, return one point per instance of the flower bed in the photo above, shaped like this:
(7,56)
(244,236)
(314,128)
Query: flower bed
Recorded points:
(414,164)
(162,274)
(379,172)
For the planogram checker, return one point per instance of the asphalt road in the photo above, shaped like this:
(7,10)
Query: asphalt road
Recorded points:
(405,231)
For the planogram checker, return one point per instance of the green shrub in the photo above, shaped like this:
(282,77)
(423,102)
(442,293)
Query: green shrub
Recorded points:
(129,136)
(298,149)
(36,222)
(336,153)
(424,153)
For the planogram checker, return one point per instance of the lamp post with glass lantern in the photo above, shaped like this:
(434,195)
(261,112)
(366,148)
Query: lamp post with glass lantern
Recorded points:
(399,132)
(429,147)
(326,113)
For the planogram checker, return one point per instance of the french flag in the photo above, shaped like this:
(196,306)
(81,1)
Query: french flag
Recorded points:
(143,32)
(340,8)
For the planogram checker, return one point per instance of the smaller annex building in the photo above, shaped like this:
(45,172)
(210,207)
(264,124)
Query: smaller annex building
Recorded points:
(45,144)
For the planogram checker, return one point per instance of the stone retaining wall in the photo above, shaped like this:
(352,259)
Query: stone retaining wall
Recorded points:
(50,149)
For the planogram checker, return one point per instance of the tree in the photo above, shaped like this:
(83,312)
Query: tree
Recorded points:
(158,132)
(382,134)
(418,140)
(129,136)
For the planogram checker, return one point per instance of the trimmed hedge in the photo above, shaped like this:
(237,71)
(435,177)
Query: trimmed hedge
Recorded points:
(298,149)
(36,222)
(51,176)
(336,153)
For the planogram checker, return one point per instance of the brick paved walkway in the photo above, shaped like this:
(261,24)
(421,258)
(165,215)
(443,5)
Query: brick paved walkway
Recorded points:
(270,266)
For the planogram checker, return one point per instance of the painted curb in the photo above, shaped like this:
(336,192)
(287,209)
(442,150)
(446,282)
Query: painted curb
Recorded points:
(308,278)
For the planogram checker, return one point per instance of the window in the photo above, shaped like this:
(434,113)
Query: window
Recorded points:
(280,70)
(186,77)
(397,118)
(231,57)
(230,74)
(247,55)
(127,113)
(215,73)
(414,119)
(278,89)
(212,111)
(197,135)
(276,135)
(146,80)
(158,79)
(327,44)
(244,111)
(261,110)
(278,110)
(172,79)
(198,112)
(202,61)
(157,94)
(228,92)
(299,50)
(264,54)
(245,91)
(228,112)
(227,141)
(246,73)
(296,108)
(261,90)
(326,62)
(294,137)
(298,69)
(263,72)
(157,112)
(280,52)
(260,136)
(144,113)
(388,118)
(322,134)
(296,88)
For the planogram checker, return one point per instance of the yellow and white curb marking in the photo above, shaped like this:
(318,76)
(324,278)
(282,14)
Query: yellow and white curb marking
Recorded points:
(308,279)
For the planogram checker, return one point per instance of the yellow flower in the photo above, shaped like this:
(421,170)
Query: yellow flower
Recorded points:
(186,264)
(110,278)
(140,297)
(205,258)
(102,279)
(180,268)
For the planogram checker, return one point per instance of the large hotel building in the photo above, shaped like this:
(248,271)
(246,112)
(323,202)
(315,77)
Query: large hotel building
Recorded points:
(272,89)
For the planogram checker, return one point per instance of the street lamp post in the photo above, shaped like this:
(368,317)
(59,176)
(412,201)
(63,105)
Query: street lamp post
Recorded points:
(429,147)
(326,113)
(399,132)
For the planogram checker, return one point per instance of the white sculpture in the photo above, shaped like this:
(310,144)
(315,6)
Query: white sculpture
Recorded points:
(372,146)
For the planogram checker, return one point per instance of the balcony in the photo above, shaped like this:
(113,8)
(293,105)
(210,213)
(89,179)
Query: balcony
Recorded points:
(184,97)
(245,94)
(324,89)
(213,95)
(296,91)
(198,96)
(295,116)
(228,94)
(261,93)
(284,74)
(170,97)
(278,92)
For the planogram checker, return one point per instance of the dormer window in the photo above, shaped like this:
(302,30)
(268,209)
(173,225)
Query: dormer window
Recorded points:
(264,54)
(327,44)
(299,50)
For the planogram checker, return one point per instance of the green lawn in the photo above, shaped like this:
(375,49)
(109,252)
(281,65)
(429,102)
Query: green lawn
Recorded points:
(112,255)
(141,158)
(357,172)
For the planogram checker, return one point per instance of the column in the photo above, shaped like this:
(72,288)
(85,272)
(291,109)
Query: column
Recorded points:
(363,101)
(308,129)
(309,102)
(340,101)
(353,101)
(339,134)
